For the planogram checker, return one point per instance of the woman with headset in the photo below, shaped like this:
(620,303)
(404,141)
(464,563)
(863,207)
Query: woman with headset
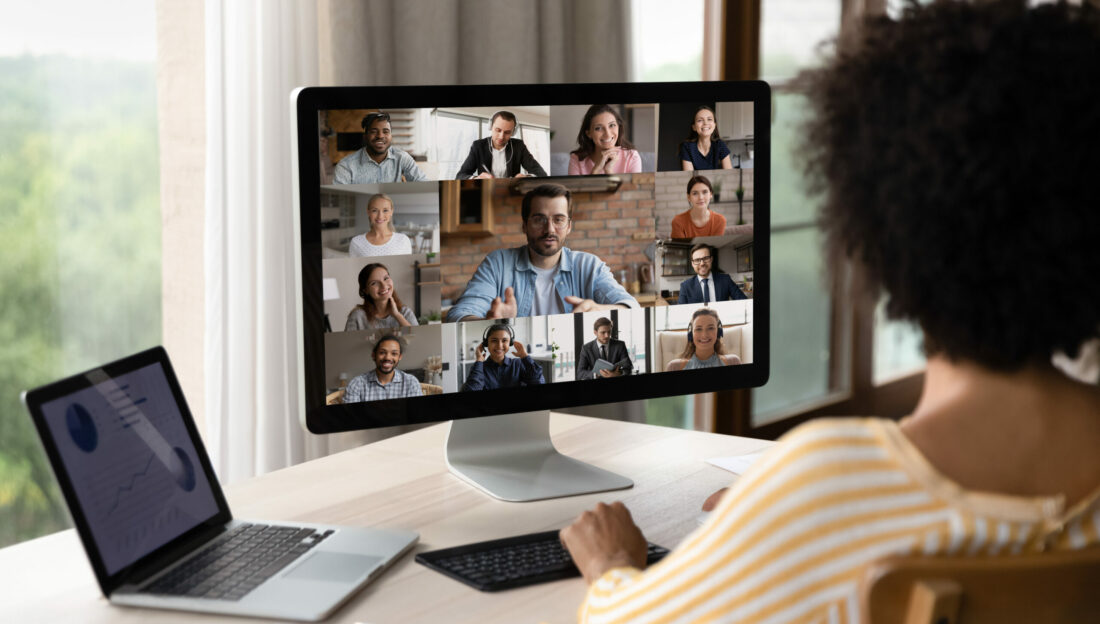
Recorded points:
(704,346)
(381,239)
(498,370)
(381,307)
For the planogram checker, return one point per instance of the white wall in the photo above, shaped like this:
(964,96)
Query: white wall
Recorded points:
(679,316)
(531,115)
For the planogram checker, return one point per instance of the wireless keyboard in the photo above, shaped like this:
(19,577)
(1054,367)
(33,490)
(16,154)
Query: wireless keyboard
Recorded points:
(512,562)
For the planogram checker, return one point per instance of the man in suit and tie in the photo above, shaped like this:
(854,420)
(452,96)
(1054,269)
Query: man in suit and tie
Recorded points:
(606,349)
(707,286)
(499,155)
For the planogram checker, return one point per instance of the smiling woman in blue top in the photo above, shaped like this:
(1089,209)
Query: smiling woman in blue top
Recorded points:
(704,149)
(542,277)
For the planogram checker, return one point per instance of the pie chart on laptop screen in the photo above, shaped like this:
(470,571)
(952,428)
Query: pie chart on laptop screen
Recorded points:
(81,428)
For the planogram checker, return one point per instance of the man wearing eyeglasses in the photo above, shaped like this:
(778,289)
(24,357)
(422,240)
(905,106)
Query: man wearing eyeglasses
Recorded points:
(707,285)
(542,277)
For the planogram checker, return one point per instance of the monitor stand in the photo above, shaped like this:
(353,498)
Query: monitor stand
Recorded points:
(512,458)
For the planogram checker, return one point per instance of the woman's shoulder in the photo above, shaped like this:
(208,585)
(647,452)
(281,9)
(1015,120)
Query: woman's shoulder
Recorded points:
(717,217)
(574,163)
(828,432)
(675,365)
(730,359)
(358,245)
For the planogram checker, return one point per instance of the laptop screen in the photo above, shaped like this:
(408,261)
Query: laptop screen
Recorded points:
(134,469)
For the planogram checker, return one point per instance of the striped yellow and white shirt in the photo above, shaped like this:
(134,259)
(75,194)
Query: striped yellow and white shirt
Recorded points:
(790,538)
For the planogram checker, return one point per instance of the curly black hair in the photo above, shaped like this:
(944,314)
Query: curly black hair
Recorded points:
(956,149)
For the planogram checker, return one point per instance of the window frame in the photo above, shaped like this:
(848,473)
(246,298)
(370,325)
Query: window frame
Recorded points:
(852,322)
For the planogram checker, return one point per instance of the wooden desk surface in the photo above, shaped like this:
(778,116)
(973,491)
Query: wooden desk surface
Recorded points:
(403,482)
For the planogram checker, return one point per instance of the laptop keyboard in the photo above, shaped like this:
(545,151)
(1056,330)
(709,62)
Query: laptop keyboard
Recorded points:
(512,562)
(236,564)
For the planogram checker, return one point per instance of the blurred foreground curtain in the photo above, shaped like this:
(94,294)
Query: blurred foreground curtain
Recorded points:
(414,42)
(257,52)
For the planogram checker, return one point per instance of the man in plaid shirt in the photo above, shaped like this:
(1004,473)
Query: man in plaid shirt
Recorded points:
(385,381)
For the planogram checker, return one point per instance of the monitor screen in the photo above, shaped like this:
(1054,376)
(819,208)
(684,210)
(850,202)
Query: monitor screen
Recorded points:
(472,251)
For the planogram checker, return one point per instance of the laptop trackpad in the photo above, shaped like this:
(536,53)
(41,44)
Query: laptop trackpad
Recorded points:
(334,566)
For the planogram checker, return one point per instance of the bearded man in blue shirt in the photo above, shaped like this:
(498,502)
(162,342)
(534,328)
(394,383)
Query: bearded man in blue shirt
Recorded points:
(542,277)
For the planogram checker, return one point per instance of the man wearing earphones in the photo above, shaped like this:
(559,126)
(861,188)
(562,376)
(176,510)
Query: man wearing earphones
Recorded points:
(377,161)
(500,371)
(499,155)
(604,357)
(707,285)
(542,277)
(385,381)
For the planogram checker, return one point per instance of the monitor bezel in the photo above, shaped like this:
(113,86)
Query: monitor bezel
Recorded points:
(320,418)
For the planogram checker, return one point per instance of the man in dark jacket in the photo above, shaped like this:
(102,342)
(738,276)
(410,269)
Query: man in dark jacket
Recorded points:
(604,348)
(707,286)
(499,156)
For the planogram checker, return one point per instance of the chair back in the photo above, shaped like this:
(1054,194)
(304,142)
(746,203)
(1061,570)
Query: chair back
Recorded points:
(1052,588)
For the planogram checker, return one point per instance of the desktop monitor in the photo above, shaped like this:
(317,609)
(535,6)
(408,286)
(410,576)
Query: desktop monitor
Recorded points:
(467,252)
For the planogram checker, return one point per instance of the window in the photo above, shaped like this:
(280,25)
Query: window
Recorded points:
(454,134)
(667,40)
(537,141)
(802,311)
(79,218)
(831,353)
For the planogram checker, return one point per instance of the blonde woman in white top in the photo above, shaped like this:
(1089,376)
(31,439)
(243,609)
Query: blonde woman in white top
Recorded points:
(381,239)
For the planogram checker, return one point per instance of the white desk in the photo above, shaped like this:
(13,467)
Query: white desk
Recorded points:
(403,482)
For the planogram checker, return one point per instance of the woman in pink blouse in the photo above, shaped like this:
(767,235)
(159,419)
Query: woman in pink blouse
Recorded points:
(602,145)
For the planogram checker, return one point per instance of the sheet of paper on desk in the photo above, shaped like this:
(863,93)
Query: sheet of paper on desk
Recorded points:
(738,464)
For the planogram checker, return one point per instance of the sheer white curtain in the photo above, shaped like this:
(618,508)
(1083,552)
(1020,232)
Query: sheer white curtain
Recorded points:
(257,52)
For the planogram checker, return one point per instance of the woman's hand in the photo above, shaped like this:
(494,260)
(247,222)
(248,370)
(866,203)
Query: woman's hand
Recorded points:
(606,159)
(521,352)
(604,538)
(395,312)
(713,500)
(481,352)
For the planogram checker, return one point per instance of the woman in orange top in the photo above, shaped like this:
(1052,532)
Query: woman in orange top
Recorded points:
(700,220)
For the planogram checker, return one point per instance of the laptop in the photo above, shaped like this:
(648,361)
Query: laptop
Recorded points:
(152,516)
